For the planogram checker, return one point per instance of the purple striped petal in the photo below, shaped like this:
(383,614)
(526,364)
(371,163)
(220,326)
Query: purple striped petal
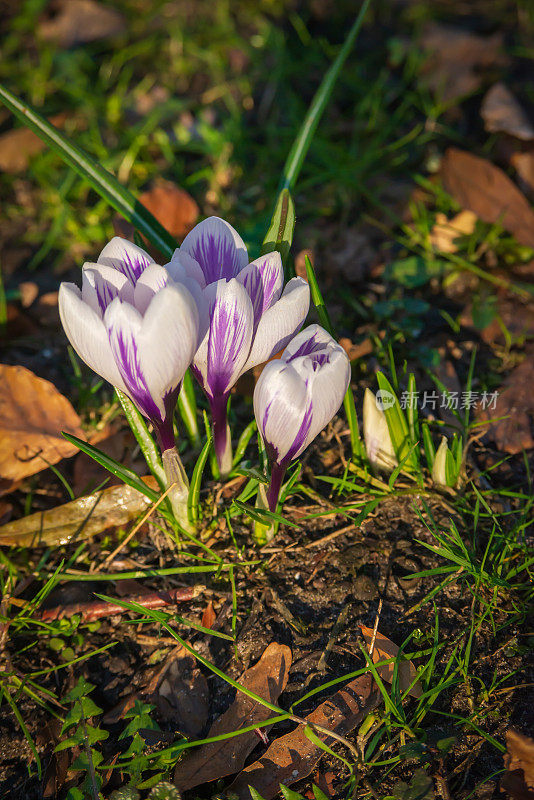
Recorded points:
(125,257)
(100,285)
(123,323)
(229,336)
(217,248)
(87,334)
(280,322)
(263,279)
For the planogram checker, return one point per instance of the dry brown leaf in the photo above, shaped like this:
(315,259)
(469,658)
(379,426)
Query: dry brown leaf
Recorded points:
(480,186)
(267,679)
(355,351)
(32,415)
(457,58)
(446,231)
(209,616)
(173,207)
(82,518)
(384,648)
(19,145)
(515,402)
(80,21)
(502,113)
(293,756)
(518,780)
(183,697)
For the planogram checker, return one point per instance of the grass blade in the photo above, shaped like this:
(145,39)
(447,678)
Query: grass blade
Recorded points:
(196,480)
(126,475)
(301,145)
(144,439)
(105,184)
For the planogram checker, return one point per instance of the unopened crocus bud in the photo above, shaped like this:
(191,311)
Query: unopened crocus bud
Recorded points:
(439,469)
(376,434)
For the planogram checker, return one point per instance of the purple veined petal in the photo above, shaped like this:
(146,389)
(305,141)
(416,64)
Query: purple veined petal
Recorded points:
(126,257)
(312,340)
(167,340)
(224,350)
(327,374)
(283,408)
(100,285)
(217,248)
(123,324)
(87,334)
(263,279)
(280,322)
(182,266)
(153,279)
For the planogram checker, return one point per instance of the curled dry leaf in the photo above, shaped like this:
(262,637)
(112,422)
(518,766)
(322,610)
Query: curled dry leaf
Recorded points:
(32,415)
(384,648)
(80,21)
(19,145)
(523,163)
(446,231)
(293,756)
(513,410)
(267,679)
(82,518)
(502,113)
(488,192)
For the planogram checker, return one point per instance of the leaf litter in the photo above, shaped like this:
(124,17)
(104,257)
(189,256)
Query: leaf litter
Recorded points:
(214,760)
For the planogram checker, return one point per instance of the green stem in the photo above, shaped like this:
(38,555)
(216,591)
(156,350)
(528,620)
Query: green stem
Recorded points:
(144,439)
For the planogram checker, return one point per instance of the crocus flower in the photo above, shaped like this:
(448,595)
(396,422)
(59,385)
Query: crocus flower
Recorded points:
(136,327)
(248,315)
(297,396)
(378,444)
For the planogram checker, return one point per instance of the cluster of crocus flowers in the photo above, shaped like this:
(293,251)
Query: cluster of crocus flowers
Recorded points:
(141,325)
(248,315)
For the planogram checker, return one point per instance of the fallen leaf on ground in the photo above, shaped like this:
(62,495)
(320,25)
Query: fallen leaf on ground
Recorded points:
(518,780)
(19,145)
(293,756)
(446,231)
(28,293)
(267,679)
(209,616)
(502,113)
(79,21)
(173,207)
(480,186)
(355,351)
(82,518)
(384,648)
(32,415)
(517,317)
(183,697)
(457,58)
(515,402)
(523,163)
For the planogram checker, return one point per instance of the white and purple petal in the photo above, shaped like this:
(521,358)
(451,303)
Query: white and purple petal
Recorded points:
(125,257)
(100,285)
(283,410)
(217,248)
(153,279)
(263,279)
(182,266)
(280,322)
(223,352)
(123,323)
(87,334)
